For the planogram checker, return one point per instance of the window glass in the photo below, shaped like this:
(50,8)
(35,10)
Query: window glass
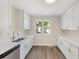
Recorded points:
(46,26)
(39,26)
(43,26)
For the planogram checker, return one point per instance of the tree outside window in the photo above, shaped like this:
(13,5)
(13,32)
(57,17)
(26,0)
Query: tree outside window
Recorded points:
(43,26)
(46,26)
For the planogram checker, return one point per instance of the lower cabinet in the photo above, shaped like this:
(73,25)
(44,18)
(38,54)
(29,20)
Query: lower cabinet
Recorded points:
(22,50)
(74,52)
(30,44)
(69,50)
(25,47)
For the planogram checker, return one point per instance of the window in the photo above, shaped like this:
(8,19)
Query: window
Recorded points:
(46,26)
(39,26)
(43,26)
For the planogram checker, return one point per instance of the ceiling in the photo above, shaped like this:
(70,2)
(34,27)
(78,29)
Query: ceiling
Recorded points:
(41,8)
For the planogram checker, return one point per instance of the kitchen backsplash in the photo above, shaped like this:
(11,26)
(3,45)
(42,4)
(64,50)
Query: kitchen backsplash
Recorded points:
(7,35)
(71,32)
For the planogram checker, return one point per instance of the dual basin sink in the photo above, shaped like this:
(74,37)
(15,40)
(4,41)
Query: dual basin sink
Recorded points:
(18,40)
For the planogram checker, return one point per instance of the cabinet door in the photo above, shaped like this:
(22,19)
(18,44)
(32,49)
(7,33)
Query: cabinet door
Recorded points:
(66,49)
(64,22)
(29,44)
(69,50)
(22,50)
(69,18)
(4,14)
(74,52)
(17,19)
(26,21)
(67,21)
(76,14)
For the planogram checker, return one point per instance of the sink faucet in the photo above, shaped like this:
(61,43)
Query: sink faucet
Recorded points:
(13,36)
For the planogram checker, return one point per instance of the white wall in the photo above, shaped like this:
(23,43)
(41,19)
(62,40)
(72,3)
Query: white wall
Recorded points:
(49,39)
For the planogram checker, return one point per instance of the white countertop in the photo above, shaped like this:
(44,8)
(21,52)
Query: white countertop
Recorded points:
(5,46)
(72,39)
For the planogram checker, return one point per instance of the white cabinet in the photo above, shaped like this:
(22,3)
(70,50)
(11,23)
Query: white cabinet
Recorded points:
(70,19)
(25,47)
(26,21)
(63,46)
(17,19)
(67,22)
(74,52)
(29,45)
(10,16)
(76,14)
(4,15)
(22,50)
(69,50)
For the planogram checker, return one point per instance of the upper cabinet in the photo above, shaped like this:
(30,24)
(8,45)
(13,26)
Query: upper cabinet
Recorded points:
(70,19)
(17,19)
(20,19)
(26,21)
(4,15)
(12,17)
(76,13)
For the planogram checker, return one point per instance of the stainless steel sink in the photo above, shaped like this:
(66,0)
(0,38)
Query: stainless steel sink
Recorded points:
(18,40)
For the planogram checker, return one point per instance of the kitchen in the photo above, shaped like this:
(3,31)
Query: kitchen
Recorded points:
(39,29)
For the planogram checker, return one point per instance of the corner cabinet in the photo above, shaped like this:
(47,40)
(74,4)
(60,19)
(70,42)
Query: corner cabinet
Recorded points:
(67,21)
(26,21)
(69,50)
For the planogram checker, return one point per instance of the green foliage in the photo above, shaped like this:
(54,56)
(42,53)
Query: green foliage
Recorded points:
(38,24)
(46,23)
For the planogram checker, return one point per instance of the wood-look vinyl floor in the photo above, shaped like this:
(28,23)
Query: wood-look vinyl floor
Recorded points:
(45,53)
